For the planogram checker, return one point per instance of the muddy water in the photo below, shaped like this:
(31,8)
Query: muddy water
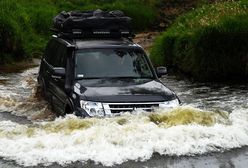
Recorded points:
(209,130)
(18,97)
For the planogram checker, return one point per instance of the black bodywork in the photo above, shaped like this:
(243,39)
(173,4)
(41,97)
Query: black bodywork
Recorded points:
(64,90)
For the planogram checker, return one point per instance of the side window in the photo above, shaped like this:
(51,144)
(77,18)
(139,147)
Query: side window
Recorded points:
(60,56)
(50,52)
(56,54)
(143,63)
(47,53)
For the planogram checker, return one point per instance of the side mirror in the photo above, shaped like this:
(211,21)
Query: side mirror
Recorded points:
(58,72)
(161,71)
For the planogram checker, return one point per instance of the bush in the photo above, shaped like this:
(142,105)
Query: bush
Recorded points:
(11,30)
(25,24)
(207,44)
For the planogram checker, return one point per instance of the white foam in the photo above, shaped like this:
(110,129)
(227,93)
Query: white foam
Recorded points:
(107,142)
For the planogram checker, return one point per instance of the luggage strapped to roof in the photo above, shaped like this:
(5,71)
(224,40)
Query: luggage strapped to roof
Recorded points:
(93,24)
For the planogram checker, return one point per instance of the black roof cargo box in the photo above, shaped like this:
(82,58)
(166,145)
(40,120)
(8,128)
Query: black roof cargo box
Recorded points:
(97,23)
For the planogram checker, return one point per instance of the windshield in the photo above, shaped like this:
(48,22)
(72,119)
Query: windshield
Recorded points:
(112,63)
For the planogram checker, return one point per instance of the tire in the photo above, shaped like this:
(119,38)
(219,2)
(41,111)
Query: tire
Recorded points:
(53,108)
(68,110)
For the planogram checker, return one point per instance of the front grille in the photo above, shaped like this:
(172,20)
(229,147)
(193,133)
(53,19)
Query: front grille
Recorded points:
(124,107)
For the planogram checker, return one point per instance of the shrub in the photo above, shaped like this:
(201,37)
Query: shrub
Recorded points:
(208,44)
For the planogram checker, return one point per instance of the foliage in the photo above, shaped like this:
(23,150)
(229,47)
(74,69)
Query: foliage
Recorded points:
(25,24)
(208,44)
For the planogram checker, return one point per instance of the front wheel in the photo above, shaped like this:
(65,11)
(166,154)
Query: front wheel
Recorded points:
(68,110)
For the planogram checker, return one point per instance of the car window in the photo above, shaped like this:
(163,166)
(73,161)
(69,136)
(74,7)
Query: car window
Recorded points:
(55,54)
(98,63)
(60,56)
(48,51)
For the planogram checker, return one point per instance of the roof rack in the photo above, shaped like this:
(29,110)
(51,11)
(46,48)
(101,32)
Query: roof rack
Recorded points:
(79,34)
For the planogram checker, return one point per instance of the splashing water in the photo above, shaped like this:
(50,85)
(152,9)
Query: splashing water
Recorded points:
(184,116)
(18,96)
(186,130)
(108,142)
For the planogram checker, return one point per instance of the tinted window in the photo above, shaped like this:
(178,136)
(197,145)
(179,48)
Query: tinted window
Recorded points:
(101,63)
(47,51)
(51,51)
(55,54)
(60,56)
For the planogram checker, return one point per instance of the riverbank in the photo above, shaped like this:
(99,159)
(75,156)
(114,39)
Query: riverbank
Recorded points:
(17,67)
(146,39)
(207,44)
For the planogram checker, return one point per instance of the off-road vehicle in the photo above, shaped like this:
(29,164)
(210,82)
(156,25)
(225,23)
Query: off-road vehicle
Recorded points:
(93,68)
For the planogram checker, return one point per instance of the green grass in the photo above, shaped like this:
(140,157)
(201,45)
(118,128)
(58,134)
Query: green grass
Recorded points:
(207,44)
(25,24)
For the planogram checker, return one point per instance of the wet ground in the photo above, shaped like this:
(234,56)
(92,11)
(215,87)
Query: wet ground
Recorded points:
(209,130)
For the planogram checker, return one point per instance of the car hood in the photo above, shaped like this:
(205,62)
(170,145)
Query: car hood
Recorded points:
(124,90)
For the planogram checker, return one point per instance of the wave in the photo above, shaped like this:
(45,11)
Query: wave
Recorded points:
(111,141)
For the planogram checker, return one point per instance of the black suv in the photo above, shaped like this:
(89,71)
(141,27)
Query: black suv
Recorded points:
(101,77)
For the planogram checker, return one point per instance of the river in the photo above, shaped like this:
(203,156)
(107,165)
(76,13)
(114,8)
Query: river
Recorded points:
(210,129)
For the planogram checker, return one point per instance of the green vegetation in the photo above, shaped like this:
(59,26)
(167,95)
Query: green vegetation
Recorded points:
(24,24)
(207,44)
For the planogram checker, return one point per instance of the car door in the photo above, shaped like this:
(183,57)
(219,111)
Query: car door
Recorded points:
(58,83)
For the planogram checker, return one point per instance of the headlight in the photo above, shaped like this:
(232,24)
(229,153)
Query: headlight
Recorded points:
(169,104)
(92,108)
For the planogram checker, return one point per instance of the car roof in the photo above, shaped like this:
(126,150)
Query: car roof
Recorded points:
(101,43)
